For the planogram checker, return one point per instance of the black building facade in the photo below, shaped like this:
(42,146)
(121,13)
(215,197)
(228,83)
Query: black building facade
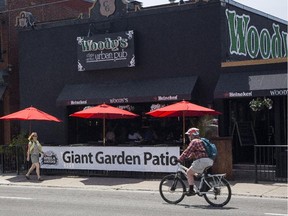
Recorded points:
(193,51)
(252,86)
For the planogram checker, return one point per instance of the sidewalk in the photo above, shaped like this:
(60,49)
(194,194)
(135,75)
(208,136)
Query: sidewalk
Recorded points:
(268,190)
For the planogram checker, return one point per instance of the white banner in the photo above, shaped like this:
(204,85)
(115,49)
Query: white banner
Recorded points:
(143,159)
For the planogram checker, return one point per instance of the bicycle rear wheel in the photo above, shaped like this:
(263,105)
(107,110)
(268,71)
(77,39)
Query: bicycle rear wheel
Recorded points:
(172,189)
(220,192)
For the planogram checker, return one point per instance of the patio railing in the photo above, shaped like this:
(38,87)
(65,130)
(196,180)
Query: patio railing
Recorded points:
(12,159)
(270,163)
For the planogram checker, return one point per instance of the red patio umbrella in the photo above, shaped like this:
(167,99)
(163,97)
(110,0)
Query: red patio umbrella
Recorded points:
(104,111)
(30,113)
(182,109)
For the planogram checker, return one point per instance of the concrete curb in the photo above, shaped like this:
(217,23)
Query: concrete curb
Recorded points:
(264,190)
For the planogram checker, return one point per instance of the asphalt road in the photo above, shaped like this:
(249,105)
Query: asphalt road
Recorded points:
(40,201)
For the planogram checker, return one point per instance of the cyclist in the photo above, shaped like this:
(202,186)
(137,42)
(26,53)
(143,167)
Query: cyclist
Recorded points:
(195,151)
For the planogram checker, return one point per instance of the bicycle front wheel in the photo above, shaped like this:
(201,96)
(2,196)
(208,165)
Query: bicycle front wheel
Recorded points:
(220,192)
(172,189)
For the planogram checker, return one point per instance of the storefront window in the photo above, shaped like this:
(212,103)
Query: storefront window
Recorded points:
(152,130)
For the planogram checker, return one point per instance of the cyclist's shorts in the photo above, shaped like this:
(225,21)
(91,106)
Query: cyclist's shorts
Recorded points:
(199,165)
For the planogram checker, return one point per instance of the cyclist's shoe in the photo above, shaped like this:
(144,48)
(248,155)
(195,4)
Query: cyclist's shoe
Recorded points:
(190,193)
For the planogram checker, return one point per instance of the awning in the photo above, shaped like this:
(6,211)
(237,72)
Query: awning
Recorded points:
(2,90)
(168,89)
(251,84)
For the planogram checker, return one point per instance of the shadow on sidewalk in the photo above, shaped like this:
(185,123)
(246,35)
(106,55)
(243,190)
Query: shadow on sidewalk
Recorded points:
(20,178)
(86,180)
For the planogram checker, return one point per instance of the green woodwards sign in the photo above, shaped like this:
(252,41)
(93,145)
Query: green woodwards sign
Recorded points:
(254,42)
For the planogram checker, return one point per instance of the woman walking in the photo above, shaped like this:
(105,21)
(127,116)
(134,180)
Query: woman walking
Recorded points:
(34,149)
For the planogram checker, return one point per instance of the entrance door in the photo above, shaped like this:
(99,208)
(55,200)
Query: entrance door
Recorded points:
(261,124)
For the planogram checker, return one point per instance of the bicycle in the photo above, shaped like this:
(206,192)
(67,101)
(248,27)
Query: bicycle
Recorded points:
(214,188)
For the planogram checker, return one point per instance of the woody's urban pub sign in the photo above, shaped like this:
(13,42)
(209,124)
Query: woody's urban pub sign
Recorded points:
(106,51)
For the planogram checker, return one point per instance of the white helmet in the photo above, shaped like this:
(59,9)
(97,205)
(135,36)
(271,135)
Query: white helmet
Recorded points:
(193,131)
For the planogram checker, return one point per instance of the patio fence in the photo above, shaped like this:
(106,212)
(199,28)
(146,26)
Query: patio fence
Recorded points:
(270,163)
(12,159)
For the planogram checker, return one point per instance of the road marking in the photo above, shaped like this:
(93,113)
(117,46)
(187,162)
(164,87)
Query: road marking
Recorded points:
(19,198)
(275,214)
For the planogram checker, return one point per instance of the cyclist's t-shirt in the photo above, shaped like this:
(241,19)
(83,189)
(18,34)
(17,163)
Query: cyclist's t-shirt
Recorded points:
(194,151)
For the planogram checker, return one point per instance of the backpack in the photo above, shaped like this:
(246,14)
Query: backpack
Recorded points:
(210,148)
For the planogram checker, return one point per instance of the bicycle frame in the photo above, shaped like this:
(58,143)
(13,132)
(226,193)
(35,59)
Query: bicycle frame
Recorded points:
(214,188)
(214,178)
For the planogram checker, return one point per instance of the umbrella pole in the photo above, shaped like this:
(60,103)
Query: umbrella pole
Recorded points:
(183,126)
(104,136)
